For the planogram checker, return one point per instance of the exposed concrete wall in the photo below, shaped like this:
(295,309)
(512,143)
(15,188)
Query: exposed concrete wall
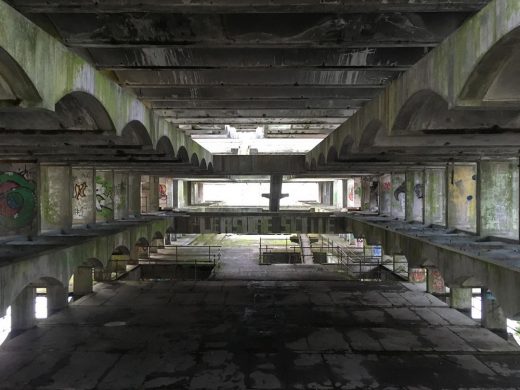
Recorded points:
(83,196)
(398,195)
(462,197)
(414,196)
(456,266)
(435,197)
(60,262)
(56,71)
(18,199)
(499,201)
(55,198)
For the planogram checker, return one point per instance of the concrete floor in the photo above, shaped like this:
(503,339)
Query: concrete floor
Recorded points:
(258,335)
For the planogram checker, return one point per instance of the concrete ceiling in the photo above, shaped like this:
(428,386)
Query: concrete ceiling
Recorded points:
(298,67)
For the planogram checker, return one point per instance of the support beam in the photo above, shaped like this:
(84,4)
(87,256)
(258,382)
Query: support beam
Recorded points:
(460,298)
(22,310)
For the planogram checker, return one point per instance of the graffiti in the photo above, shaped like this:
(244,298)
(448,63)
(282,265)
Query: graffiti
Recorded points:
(104,194)
(163,192)
(79,190)
(17,200)
(400,190)
(419,190)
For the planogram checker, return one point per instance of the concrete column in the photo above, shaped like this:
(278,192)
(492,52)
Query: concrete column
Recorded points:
(121,195)
(104,196)
(326,193)
(83,196)
(493,317)
(385,194)
(398,196)
(415,275)
(460,298)
(499,199)
(462,197)
(22,310)
(175,194)
(275,192)
(435,196)
(153,204)
(434,281)
(55,198)
(56,298)
(134,195)
(415,196)
(338,194)
(83,281)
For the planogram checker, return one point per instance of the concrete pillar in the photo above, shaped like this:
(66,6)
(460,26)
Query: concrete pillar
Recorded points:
(385,194)
(56,298)
(462,197)
(55,198)
(275,192)
(460,298)
(493,317)
(153,204)
(121,195)
(83,196)
(338,194)
(415,275)
(134,195)
(398,196)
(22,310)
(499,199)
(175,194)
(415,196)
(104,196)
(434,281)
(435,196)
(326,193)
(82,281)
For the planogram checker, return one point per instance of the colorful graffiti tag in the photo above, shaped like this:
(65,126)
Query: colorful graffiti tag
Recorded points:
(17,200)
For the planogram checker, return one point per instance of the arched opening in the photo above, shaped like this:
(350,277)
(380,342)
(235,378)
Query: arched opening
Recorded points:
(164,146)
(39,299)
(15,85)
(332,155)
(82,111)
(210,167)
(182,155)
(89,272)
(313,164)
(118,262)
(369,135)
(496,77)
(346,148)
(427,111)
(194,160)
(157,242)
(321,160)
(203,164)
(141,250)
(135,133)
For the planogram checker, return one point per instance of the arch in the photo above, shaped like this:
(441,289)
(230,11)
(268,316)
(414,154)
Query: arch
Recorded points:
(157,236)
(210,167)
(81,111)
(332,155)
(369,135)
(92,262)
(47,281)
(346,148)
(313,164)
(170,230)
(121,250)
(182,154)
(136,133)
(321,159)
(194,160)
(165,147)
(142,242)
(427,110)
(15,85)
(496,77)
(203,164)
